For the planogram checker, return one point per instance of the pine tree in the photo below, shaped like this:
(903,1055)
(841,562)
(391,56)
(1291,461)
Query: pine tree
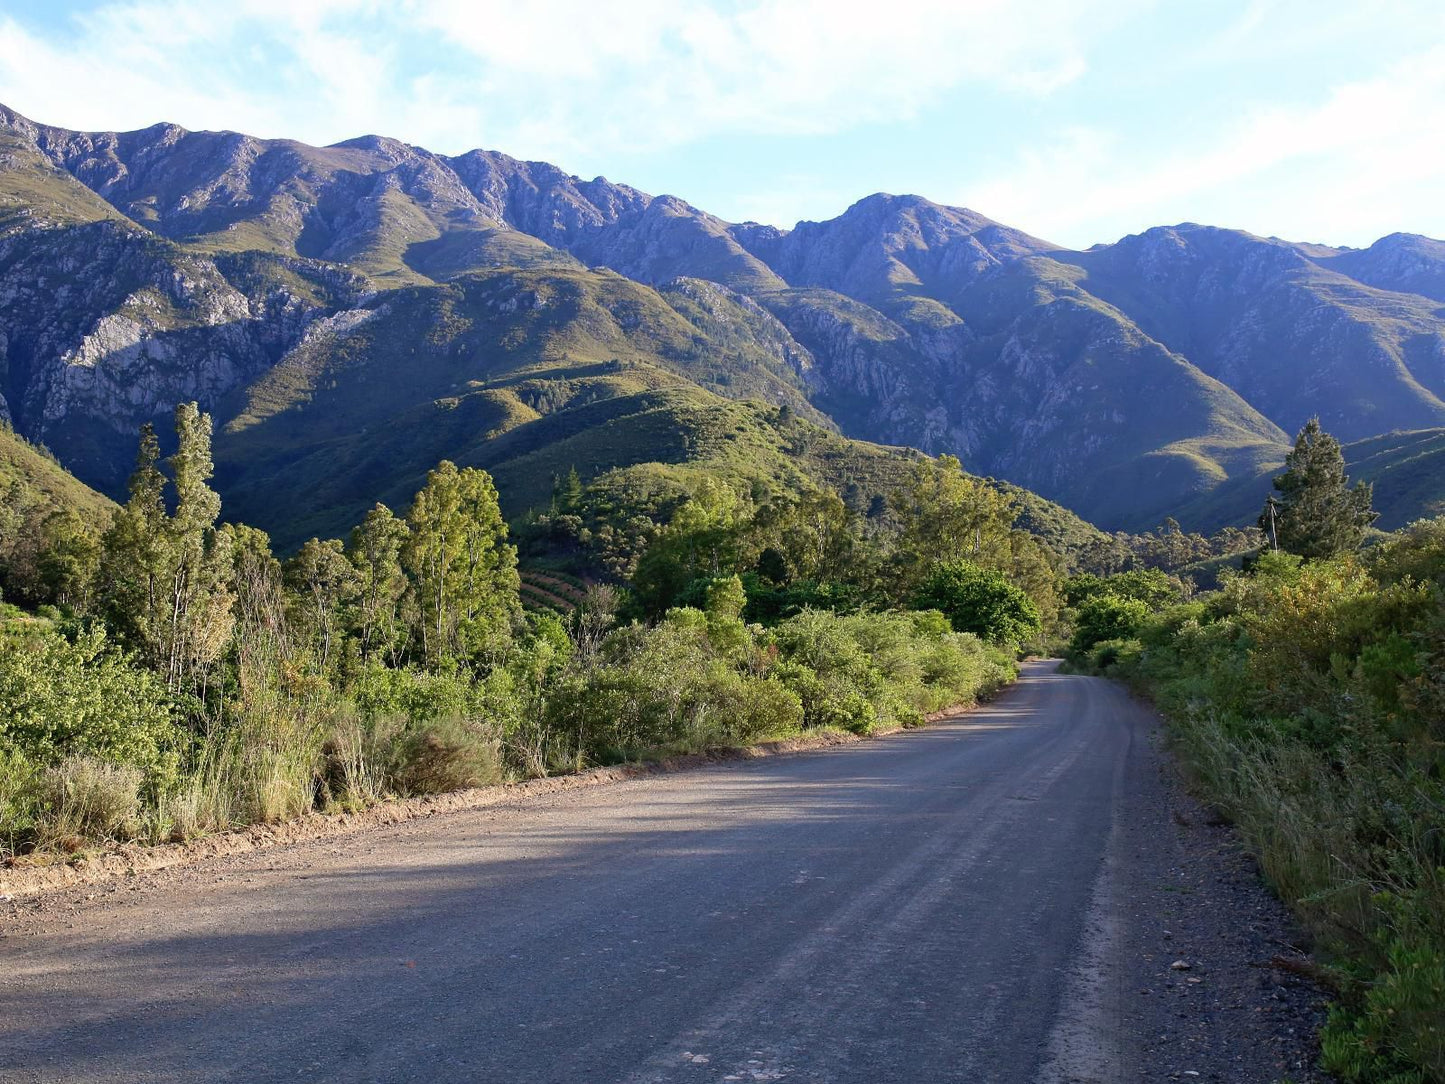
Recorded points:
(1317,513)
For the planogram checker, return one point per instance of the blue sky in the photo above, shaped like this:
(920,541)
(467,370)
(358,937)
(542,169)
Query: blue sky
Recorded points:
(1077,120)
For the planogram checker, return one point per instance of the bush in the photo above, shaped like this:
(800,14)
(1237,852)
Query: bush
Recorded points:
(442,755)
(1120,656)
(1307,698)
(1106,617)
(19,799)
(60,699)
(980,601)
(416,694)
(879,669)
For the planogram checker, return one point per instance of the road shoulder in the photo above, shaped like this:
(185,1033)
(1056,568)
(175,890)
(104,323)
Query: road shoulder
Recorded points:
(1190,968)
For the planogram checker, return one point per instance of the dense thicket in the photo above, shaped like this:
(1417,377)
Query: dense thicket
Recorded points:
(177,676)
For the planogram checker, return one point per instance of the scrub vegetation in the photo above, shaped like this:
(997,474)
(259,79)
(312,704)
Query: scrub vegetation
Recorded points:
(164,674)
(1307,695)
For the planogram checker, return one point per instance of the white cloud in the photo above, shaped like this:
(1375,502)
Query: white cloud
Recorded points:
(555,78)
(582,83)
(1364,160)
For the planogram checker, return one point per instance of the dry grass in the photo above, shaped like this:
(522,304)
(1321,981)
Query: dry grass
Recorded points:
(87,799)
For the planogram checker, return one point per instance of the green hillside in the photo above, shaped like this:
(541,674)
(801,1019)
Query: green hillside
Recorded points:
(24,465)
(32,190)
(43,510)
(1406,468)
(527,373)
(352,313)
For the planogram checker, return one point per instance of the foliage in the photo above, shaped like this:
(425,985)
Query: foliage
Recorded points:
(1151,586)
(168,574)
(465,575)
(375,549)
(1317,514)
(60,698)
(196,682)
(979,601)
(1307,696)
(1106,617)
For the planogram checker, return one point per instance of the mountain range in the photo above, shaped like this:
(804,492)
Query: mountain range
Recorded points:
(353,313)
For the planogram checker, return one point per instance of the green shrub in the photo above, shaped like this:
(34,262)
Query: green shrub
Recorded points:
(980,601)
(416,694)
(1106,617)
(1119,657)
(441,755)
(1306,697)
(60,699)
(19,799)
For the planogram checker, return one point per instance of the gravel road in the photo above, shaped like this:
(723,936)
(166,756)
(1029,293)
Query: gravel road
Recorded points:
(999,897)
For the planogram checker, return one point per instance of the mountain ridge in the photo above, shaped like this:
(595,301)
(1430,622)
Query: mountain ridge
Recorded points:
(1123,381)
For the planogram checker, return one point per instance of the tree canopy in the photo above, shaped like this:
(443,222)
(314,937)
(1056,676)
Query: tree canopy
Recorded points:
(1318,513)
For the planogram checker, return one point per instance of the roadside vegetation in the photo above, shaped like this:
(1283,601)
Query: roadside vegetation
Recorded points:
(1307,696)
(165,674)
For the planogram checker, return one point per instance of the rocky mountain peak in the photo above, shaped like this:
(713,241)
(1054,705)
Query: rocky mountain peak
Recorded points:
(1157,365)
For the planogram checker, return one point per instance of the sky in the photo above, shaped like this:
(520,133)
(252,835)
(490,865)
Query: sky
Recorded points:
(1079,121)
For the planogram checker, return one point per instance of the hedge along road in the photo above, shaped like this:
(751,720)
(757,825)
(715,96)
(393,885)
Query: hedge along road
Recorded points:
(935,905)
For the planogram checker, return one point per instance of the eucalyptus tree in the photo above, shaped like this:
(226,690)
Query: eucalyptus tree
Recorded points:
(462,569)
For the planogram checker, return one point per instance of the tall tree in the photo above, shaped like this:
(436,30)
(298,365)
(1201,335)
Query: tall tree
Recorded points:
(134,551)
(375,551)
(324,583)
(1317,513)
(708,535)
(264,639)
(169,576)
(464,571)
(70,559)
(200,573)
(946,515)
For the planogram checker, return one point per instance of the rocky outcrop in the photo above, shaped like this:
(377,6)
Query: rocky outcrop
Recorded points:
(1402,262)
(106,327)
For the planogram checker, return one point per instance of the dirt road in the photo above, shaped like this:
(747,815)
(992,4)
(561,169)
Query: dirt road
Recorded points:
(996,898)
